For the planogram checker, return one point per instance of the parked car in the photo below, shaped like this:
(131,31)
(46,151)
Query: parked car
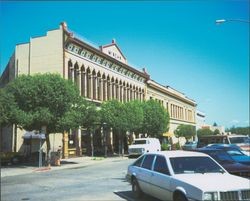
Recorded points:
(185,175)
(239,140)
(189,145)
(144,145)
(228,147)
(226,160)
(235,153)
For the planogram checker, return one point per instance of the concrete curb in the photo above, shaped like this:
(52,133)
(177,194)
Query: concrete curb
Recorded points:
(65,164)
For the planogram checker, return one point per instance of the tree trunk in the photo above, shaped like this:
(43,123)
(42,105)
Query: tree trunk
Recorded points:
(48,149)
(122,145)
(119,136)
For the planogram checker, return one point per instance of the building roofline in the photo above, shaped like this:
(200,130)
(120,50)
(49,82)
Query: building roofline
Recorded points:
(80,42)
(165,90)
(115,44)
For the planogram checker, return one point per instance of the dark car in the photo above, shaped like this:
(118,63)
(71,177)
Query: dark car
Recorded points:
(227,161)
(234,151)
(189,145)
(224,146)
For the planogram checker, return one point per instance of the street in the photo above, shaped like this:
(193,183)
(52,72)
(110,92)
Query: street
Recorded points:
(102,181)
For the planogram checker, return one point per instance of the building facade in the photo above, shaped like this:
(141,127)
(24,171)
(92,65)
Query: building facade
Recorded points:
(101,74)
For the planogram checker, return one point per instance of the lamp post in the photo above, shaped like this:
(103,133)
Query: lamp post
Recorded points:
(105,139)
(220,21)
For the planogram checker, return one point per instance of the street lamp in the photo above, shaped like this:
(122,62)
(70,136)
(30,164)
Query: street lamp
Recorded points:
(105,139)
(220,21)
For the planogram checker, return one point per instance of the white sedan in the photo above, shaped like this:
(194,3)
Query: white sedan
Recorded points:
(185,176)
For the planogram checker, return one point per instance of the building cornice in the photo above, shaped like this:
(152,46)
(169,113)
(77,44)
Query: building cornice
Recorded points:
(83,44)
(165,90)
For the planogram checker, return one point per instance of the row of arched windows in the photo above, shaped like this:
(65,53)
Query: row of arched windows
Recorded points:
(102,87)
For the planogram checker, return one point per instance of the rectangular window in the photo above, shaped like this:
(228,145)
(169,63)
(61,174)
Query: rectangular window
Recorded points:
(161,165)
(148,161)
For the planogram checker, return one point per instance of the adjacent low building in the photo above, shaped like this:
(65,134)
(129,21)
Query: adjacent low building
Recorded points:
(101,73)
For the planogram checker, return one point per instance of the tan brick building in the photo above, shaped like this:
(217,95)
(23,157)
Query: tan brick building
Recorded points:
(101,73)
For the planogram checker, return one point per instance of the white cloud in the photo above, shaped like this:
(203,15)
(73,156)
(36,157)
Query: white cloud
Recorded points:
(235,121)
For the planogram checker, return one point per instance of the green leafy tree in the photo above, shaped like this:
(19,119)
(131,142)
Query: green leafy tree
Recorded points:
(187,131)
(215,124)
(204,132)
(240,130)
(8,108)
(216,132)
(112,113)
(44,101)
(156,119)
(133,116)
(122,117)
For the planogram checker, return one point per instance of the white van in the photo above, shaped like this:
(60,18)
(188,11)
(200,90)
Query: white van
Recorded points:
(144,145)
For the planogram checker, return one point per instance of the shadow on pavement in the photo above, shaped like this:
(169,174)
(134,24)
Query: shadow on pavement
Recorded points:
(67,162)
(128,195)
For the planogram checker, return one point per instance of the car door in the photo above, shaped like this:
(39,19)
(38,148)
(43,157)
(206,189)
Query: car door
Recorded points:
(144,173)
(160,179)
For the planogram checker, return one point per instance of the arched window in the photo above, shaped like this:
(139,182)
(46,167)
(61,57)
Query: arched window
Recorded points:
(70,70)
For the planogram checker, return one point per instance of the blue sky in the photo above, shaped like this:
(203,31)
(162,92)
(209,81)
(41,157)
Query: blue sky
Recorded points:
(177,41)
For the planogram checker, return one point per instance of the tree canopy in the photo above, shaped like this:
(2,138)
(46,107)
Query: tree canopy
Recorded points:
(42,100)
(204,132)
(156,118)
(7,108)
(186,131)
(239,130)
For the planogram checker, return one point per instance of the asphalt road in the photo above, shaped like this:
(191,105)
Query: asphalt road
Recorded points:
(104,181)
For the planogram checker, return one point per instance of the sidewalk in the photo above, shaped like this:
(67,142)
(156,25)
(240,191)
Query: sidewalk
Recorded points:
(65,164)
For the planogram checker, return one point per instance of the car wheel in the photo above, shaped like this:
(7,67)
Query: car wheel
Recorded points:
(136,189)
(179,197)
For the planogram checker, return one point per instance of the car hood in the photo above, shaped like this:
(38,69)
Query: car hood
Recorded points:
(236,167)
(214,181)
(137,146)
(243,158)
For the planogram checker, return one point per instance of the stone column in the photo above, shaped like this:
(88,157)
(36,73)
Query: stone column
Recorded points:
(128,94)
(104,88)
(94,87)
(65,144)
(90,77)
(84,84)
(78,142)
(114,90)
(121,93)
(100,92)
(118,92)
(125,94)
(79,83)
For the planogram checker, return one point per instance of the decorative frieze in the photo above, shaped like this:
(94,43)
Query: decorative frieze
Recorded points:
(82,52)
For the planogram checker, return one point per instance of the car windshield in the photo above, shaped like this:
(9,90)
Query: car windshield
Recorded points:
(190,143)
(235,152)
(140,142)
(200,164)
(236,140)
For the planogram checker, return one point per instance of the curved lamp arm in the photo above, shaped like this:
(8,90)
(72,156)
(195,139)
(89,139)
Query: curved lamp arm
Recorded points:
(220,21)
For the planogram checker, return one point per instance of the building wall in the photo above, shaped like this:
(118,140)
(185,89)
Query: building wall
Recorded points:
(46,53)
(98,75)
(6,134)
(181,110)
(112,51)
(22,62)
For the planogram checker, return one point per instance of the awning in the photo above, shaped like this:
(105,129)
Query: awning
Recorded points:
(168,134)
(33,135)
